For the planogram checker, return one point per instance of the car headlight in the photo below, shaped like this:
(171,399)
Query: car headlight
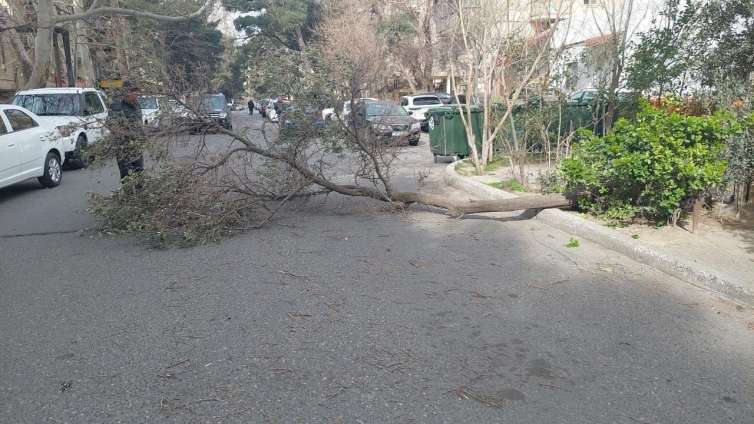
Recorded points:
(65,130)
(416,126)
(382,127)
(223,115)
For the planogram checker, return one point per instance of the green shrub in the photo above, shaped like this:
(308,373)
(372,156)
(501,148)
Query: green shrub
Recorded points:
(649,166)
(508,185)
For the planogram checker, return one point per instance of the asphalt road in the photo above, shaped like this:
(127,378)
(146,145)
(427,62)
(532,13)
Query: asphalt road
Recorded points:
(343,312)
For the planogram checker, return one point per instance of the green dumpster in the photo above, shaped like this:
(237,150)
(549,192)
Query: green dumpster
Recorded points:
(447,134)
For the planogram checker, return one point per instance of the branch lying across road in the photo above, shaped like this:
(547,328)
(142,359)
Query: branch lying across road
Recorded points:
(104,11)
(503,205)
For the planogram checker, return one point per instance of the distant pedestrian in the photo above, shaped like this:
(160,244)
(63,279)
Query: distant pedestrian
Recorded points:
(251,107)
(125,124)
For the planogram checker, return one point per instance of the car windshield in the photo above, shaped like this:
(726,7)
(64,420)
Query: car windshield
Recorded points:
(213,103)
(426,101)
(148,102)
(50,104)
(385,109)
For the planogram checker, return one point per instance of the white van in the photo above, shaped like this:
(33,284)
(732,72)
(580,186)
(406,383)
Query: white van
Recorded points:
(78,115)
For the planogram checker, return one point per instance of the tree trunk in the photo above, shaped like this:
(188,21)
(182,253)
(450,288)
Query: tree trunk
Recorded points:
(70,74)
(40,73)
(84,68)
(120,27)
(302,48)
(58,68)
(427,51)
(26,63)
(504,205)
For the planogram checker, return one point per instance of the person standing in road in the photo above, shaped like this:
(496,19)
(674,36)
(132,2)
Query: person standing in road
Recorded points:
(125,124)
(251,107)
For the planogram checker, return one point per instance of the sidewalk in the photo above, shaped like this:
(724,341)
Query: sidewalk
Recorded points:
(724,249)
(719,257)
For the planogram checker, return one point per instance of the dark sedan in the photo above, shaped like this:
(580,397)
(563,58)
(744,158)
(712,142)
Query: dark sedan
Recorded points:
(388,121)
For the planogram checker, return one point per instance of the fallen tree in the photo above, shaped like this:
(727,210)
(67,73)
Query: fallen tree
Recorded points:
(202,189)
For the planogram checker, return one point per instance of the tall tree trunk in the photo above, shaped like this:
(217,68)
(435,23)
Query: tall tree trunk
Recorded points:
(26,63)
(42,46)
(84,68)
(120,31)
(428,47)
(70,74)
(302,48)
(58,68)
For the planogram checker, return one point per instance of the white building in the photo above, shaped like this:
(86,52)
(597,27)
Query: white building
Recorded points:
(587,32)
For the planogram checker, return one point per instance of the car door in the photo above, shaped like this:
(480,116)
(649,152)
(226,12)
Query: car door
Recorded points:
(96,114)
(25,145)
(7,150)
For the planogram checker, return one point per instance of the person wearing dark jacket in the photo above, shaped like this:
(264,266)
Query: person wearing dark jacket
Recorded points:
(251,107)
(125,124)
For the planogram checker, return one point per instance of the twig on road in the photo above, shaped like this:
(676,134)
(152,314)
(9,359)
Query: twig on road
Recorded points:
(282,271)
(206,400)
(177,363)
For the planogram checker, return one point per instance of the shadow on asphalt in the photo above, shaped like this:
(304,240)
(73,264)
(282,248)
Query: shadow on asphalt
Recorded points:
(19,189)
(526,215)
(341,313)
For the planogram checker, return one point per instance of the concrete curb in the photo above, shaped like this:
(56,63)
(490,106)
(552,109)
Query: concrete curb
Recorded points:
(651,256)
(618,242)
(474,188)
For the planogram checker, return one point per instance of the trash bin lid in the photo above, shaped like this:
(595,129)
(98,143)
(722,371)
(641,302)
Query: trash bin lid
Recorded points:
(452,111)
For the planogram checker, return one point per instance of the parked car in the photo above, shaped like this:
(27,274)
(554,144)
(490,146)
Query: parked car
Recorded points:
(271,112)
(78,115)
(211,108)
(261,106)
(218,109)
(387,121)
(329,113)
(418,106)
(28,149)
(291,117)
(445,98)
(588,96)
(151,106)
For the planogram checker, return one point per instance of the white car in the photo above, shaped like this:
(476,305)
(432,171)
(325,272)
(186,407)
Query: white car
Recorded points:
(272,114)
(418,106)
(78,115)
(28,149)
(329,113)
(150,110)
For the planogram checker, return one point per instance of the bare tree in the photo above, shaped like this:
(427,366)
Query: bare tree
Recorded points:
(407,28)
(616,21)
(48,19)
(502,55)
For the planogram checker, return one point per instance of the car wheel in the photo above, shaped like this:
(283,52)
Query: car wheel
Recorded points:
(53,171)
(413,142)
(77,159)
(435,158)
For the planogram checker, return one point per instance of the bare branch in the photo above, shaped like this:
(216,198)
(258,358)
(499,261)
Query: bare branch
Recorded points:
(117,11)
